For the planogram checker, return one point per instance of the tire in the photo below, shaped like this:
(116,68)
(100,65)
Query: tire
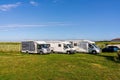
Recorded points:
(52,51)
(40,52)
(68,52)
(94,52)
(27,52)
(74,52)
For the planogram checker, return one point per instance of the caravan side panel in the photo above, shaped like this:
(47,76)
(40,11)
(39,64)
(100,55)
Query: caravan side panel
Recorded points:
(25,46)
(84,47)
(57,47)
(28,46)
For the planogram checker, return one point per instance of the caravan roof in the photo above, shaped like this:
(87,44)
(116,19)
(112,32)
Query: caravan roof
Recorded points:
(40,42)
(64,42)
(88,41)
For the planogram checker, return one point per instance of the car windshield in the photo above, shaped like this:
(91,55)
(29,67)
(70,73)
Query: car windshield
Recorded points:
(43,46)
(70,45)
(95,45)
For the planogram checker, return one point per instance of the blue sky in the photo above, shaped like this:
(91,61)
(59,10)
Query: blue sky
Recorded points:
(59,19)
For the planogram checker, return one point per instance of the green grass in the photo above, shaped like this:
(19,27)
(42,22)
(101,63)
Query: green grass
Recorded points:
(19,66)
(59,67)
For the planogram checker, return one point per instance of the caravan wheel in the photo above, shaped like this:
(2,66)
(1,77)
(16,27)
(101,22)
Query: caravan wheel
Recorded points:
(27,52)
(94,52)
(40,52)
(68,52)
(52,51)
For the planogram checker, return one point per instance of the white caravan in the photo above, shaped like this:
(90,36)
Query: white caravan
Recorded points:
(85,46)
(35,47)
(61,47)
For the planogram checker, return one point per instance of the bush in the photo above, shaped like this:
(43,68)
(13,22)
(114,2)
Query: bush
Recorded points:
(118,53)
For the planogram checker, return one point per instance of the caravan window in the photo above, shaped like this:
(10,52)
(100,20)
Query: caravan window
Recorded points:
(75,44)
(59,45)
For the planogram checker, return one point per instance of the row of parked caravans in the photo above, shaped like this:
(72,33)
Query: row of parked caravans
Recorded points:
(68,46)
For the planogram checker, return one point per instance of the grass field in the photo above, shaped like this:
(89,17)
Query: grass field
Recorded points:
(10,47)
(79,66)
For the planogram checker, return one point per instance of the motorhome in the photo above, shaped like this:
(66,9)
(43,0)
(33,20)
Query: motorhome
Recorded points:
(35,47)
(85,46)
(61,47)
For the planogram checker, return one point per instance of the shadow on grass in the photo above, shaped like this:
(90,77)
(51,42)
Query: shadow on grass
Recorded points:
(34,54)
(48,53)
(110,57)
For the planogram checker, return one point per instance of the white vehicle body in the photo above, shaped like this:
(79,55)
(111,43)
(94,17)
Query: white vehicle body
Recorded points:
(34,47)
(85,46)
(61,47)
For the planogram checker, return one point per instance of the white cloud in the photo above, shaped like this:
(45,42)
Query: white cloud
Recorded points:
(7,7)
(10,27)
(33,25)
(21,25)
(33,3)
